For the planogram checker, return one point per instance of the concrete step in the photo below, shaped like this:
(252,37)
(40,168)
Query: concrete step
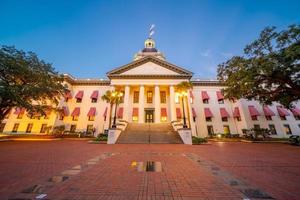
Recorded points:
(149,133)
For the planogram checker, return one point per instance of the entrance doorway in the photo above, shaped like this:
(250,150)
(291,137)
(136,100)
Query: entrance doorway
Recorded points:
(149,115)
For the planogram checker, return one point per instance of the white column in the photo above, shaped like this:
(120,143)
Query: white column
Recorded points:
(190,114)
(172,103)
(157,104)
(126,103)
(141,104)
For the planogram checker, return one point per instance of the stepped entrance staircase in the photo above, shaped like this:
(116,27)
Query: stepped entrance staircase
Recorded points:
(149,133)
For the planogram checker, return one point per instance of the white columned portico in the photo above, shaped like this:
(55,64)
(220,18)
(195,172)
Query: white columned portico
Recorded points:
(157,104)
(141,104)
(126,103)
(172,103)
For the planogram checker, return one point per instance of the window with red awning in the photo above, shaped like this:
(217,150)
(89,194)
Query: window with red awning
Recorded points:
(163,112)
(76,112)
(194,112)
(95,95)
(120,112)
(207,113)
(19,111)
(268,111)
(224,113)
(236,112)
(135,112)
(65,111)
(296,112)
(204,95)
(253,111)
(92,112)
(220,96)
(282,112)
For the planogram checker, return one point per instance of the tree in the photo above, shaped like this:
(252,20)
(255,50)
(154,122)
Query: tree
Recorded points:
(269,71)
(112,97)
(27,82)
(182,89)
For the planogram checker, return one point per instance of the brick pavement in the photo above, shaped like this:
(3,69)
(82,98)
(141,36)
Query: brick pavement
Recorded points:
(216,171)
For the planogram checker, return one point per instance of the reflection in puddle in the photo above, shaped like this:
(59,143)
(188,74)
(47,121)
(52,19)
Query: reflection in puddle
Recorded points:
(149,166)
(58,179)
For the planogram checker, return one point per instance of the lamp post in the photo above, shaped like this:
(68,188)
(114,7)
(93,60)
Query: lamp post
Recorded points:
(183,95)
(117,96)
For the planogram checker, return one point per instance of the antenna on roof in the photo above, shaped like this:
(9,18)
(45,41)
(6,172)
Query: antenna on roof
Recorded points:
(151,31)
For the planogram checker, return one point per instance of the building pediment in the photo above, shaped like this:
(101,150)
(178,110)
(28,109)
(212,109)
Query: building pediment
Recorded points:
(148,67)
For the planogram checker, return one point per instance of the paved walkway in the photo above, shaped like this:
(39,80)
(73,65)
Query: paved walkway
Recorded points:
(77,170)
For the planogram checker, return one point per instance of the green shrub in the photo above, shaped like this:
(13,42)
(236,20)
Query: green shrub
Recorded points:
(101,137)
(198,140)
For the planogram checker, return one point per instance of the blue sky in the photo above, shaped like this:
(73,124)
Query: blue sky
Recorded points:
(89,38)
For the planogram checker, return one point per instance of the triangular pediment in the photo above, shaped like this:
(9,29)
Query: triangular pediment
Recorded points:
(149,67)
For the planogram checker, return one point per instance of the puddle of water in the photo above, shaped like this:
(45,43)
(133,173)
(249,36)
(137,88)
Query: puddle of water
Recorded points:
(149,166)
(41,196)
(33,189)
(256,194)
(58,179)
(70,172)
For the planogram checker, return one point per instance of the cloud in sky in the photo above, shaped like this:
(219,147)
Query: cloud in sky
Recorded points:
(206,53)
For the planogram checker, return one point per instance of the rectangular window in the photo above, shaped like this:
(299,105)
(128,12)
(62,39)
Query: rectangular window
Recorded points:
(163,97)
(15,128)
(75,118)
(205,101)
(135,118)
(149,96)
(43,128)
(268,118)
(226,129)
(224,119)
(163,119)
(282,117)
(73,128)
(287,129)
(176,98)
(29,128)
(89,129)
(78,100)
(272,129)
(254,118)
(208,119)
(2,126)
(66,99)
(136,97)
(61,117)
(210,130)
(122,97)
(91,118)
(20,116)
(221,101)
(94,100)
(238,119)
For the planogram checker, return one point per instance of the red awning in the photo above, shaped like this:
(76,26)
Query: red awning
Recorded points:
(76,112)
(95,95)
(178,113)
(65,111)
(68,95)
(19,111)
(79,94)
(296,111)
(135,112)
(253,111)
(120,112)
(163,112)
(105,112)
(207,112)
(194,112)
(191,94)
(220,95)
(282,112)
(204,95)
(92,112)
(224,112)
(268,111)
(236,112)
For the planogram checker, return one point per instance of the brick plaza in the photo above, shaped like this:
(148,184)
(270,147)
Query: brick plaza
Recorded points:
(78,170)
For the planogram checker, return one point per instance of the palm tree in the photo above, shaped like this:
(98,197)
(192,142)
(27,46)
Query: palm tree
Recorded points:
(182,89)
(108,98)
(112,97)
